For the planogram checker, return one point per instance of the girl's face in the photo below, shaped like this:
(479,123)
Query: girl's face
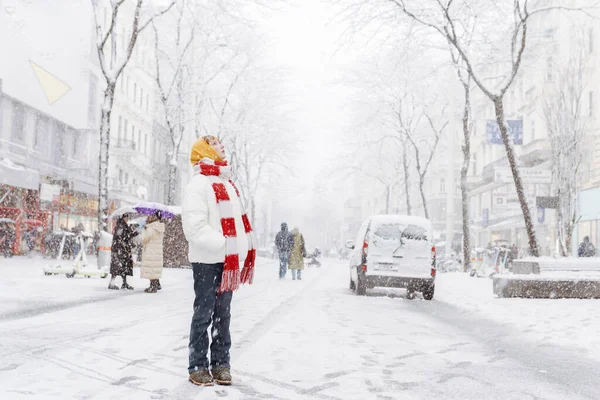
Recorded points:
(218,146)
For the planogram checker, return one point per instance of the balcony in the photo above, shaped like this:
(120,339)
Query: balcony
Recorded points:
(535,152)
(124,148)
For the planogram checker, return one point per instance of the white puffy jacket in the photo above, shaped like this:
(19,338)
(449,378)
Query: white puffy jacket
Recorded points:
(201,221)
(152,254)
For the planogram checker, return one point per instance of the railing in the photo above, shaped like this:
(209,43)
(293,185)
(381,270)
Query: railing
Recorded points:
(125,144)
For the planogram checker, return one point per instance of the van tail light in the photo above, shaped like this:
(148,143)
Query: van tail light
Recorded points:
(433,261)
(365,250)
(364,268)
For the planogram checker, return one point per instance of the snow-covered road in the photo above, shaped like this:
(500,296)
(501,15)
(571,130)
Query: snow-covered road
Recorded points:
(311,339)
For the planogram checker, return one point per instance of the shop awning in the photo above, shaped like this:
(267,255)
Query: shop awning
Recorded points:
(15,175)
(85,187)
(515,222)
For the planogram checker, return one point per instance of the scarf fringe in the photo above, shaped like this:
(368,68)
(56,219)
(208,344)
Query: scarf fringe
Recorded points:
(230,281)
(247,275)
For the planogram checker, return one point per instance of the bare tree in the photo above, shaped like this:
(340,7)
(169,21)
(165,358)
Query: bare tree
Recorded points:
(173,87)
(112,65)
(464,170)
(409,117)
(564,113)
(441,16)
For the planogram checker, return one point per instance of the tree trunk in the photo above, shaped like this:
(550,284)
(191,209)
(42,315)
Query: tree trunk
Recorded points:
(172,181)
(104,156)
(423,198)
(387,199)
(499,109)
(406,183)
(466,148)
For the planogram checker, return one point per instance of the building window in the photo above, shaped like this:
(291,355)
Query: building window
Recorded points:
(139,140)
(125,129)
(92,102)
(126,178)
(591,103)
(146,144)
(120,176)
(549,62)
(122,83)
(133,134)
(75,144)
(18,123)
(147,102)
(532,130)
(591,40)
(141,97)
(135,93)
(442,185)
(40,130)
(120,129)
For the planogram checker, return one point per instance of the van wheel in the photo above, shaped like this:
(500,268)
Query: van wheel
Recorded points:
(361,285)
(352,284)
(428,292)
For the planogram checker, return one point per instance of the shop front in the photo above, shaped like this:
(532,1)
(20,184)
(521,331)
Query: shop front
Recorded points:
(70,208)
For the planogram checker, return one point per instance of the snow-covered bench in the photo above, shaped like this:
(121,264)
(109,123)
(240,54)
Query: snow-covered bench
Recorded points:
(547,277)
(544,265)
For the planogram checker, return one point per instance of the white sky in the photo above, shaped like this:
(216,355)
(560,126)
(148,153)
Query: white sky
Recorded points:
(304,46)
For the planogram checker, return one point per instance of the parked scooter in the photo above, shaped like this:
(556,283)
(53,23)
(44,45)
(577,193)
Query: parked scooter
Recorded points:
(80,266)
(449,263)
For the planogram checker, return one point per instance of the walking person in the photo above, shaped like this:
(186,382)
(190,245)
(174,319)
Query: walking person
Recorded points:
(152,251)
(7,240)
(121,260)
(297,255)
(586,248)
(220,241)
(284,242)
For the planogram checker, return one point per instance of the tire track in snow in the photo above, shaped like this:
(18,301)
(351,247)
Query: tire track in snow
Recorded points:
(551,363)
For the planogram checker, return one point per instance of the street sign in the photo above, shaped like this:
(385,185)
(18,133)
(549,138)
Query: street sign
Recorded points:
(546,202)
(515,132)
(485,217)
(541,215)
(528,175)
(505,201)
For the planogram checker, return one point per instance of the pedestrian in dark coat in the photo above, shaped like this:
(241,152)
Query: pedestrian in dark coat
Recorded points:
(284,241)
(121,259)
(586,248)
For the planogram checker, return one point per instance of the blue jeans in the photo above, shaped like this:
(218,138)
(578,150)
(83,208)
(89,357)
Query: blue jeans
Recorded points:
(283,265)
(209,306)
(298,271)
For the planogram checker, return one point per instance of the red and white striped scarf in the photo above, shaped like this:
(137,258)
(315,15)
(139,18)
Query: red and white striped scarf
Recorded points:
(232,278)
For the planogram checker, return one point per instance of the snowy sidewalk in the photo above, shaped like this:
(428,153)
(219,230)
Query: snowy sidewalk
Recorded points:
(570,323)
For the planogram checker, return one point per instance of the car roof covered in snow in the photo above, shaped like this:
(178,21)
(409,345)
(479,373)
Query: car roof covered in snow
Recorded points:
(383,219)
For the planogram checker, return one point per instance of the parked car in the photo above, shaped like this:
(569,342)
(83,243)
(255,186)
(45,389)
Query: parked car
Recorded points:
(393,251)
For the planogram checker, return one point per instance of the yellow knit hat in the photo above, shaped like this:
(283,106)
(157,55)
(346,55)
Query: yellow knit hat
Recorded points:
(201,149)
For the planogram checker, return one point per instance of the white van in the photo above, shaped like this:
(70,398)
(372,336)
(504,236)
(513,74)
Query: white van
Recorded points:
(393,251)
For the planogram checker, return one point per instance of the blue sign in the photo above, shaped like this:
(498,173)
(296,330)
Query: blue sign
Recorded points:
(515,132)
(485,217)
(541,215)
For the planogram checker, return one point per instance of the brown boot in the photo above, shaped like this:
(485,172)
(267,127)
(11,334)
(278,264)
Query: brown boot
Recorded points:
(152,288)
(201,378)
(222,376)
